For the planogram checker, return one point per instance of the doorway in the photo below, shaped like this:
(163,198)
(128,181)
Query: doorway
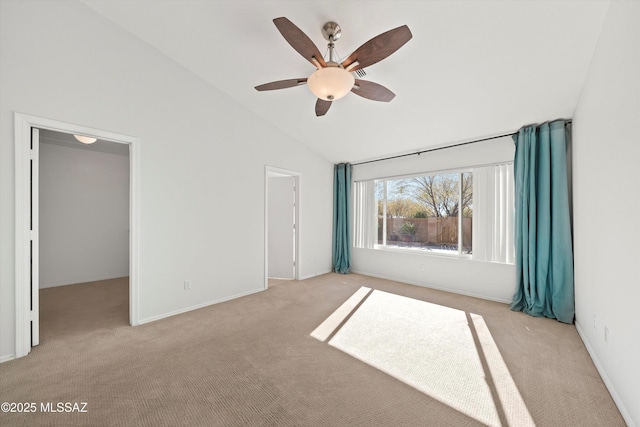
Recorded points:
(281,224)
(27,129)
(83,235)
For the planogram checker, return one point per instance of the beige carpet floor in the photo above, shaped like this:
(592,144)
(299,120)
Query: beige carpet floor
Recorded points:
(252,361)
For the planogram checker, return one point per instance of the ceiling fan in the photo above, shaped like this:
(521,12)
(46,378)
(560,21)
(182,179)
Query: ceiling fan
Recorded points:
(332,79)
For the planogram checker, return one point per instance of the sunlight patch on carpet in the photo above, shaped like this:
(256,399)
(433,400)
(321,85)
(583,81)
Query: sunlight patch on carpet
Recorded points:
(513,405)
(326,328)
(431,348)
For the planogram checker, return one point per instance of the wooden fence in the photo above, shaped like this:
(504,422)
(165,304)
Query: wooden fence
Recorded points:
(435,231)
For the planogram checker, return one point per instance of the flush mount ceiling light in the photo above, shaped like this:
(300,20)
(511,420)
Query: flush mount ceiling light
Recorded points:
(334,79)
(85,139)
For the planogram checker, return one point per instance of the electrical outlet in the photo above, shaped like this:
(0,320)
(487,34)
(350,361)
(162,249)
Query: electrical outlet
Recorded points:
(606,335)
(187,285)
(421,267)
(595,322)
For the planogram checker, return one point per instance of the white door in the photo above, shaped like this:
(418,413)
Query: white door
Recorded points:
(35,247)
(281,227)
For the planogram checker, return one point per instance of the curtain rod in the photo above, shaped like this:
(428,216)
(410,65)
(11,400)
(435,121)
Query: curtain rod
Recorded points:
(417,153)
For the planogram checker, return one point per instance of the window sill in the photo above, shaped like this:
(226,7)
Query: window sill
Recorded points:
(423,251)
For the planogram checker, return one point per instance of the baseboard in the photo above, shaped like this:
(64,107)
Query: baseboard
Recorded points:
(195,307)
(86,280)
(7,358)
(317,273)
(605,378)
(453,291)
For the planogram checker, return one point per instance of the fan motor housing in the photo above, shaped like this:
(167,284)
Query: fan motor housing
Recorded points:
(331,31)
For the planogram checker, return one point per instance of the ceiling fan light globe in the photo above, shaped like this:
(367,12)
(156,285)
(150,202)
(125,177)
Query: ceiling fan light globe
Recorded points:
(330,83)
(85,139)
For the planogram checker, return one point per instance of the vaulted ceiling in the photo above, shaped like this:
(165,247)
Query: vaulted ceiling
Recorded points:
(474,68)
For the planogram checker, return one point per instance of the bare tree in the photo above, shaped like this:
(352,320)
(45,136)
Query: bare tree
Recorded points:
(400,203)
(467,194)
(427,196)
(439,193)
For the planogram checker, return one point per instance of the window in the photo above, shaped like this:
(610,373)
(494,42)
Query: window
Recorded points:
(427,212)
(434,213)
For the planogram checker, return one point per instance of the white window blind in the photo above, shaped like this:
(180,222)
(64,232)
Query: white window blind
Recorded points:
(493,214)
(365,214)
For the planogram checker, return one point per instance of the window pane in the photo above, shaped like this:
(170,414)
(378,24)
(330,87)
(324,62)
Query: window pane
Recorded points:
(430,213)
(401,208)
(438,197)
(421,212)
(467,212)
(380,201)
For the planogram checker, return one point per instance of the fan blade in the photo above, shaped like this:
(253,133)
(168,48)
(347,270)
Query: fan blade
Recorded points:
(299,41)
(322,107)
(373,91)
(282,84)
(378,48)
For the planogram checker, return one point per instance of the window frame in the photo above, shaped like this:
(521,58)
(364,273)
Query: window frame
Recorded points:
(450,254)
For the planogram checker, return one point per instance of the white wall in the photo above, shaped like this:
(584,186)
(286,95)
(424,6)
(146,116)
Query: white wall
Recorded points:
(482,279)
(84,215)
(606,152)
(202,157)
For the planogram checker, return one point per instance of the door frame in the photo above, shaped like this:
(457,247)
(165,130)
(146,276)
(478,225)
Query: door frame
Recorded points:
(275,171)
(23,124)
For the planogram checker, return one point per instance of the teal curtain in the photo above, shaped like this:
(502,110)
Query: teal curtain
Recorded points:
(341,225)
(544,250)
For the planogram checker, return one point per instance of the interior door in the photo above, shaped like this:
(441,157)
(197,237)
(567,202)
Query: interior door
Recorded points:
(35,248)
(281,218)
